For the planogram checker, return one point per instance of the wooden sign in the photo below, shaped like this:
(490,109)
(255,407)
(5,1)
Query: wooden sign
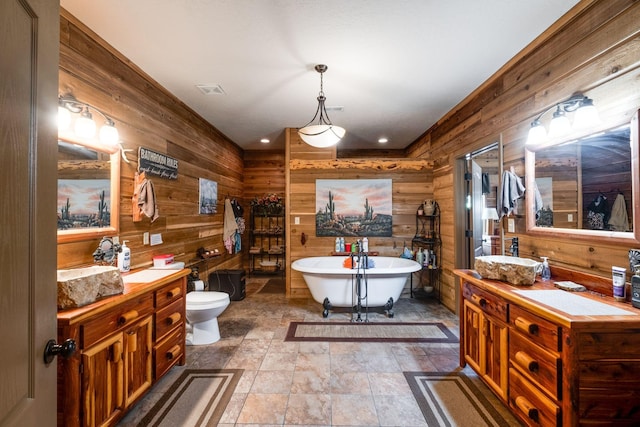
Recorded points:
(157,164)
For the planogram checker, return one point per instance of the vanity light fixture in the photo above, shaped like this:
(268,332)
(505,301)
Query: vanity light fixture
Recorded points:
(323,133)
(85,126)
(586,115)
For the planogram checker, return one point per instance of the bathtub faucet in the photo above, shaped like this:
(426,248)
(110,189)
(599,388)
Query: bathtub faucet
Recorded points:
(514,246)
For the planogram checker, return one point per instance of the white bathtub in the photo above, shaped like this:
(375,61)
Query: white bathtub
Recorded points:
(331,284)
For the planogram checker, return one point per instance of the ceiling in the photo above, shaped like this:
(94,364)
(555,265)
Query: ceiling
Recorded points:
(395,66)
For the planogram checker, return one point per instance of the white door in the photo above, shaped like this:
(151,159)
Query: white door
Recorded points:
(29,34)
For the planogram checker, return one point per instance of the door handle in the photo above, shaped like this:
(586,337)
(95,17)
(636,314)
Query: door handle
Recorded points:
(52,349)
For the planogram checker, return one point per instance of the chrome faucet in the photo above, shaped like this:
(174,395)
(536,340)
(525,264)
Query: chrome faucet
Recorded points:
(514,246)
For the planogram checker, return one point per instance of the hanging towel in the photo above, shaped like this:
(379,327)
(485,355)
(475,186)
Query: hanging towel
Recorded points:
(511,190)
(538,204)
(230,226)
(619,220)
(147,200)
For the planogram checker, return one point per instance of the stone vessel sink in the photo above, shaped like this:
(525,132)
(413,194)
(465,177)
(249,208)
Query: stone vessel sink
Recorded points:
(515,270)
(82,286)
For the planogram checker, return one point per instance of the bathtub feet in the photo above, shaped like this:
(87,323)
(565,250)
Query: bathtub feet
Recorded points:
(388,307)
(326,304)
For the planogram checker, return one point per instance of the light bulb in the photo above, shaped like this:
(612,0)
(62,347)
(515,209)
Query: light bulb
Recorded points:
(85,127)
(537,134)
(109,134)
(559,125)
(64,118)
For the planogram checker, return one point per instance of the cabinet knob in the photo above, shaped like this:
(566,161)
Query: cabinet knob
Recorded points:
(526,326)
(173,352)
(527,408)
(526,361)
(479,300)
(173,319)
(174,292)
(127,317)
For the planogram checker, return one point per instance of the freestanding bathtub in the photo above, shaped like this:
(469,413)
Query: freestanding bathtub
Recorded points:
(333,285)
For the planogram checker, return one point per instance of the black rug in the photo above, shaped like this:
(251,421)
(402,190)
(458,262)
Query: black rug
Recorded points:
(276,285)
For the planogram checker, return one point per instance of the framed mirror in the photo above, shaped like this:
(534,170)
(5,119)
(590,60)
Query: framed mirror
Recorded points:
(586,188)
(88,191)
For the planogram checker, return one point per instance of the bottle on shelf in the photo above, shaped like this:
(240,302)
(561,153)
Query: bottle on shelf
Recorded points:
(337,248)
(420,257)
(365,244)
(546,271)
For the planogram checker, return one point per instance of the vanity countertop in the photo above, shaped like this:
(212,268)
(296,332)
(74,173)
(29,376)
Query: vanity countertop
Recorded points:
(141,284)
(572,309)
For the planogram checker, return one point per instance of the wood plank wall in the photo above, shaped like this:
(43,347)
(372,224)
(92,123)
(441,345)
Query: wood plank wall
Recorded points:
(594,49)
(411,184)
(147,115)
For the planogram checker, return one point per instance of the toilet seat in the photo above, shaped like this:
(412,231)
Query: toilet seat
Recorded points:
(195,299)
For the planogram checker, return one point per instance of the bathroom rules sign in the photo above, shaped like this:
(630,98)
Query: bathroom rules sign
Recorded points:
(157,164)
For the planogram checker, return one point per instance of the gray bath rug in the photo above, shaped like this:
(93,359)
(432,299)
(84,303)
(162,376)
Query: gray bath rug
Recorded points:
(432,332)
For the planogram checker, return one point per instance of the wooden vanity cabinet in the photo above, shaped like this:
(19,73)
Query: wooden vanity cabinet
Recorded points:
(485,336)
(561,369)
(121,350)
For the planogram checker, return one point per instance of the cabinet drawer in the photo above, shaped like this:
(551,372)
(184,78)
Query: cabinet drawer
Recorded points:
(530,404)
(118,317)
(488,302)
(168,352)
(537,365)
(536,329)
(169,317)
(169,293)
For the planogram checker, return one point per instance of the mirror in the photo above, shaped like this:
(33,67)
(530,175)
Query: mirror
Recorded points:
(586,188)
(88,191)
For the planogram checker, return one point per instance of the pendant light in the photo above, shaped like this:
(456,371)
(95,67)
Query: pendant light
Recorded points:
(320,132)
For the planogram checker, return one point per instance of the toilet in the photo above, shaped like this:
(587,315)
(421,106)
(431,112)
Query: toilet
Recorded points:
(202,310)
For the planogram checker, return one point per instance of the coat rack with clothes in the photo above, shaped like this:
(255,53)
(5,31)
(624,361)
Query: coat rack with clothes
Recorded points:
(233,225)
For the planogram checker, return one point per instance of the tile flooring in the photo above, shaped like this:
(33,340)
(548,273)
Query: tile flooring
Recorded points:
(313,383)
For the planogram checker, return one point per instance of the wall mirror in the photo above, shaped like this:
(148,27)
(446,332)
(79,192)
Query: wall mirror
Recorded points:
(88,191)
(586,188)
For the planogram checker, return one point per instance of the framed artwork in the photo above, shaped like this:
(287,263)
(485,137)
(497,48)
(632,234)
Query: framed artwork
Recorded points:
(208,196)
(354,207)
(84,203)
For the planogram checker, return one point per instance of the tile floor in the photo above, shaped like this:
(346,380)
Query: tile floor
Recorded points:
(313,383)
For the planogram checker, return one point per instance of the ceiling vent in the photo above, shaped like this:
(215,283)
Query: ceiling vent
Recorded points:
(211,89)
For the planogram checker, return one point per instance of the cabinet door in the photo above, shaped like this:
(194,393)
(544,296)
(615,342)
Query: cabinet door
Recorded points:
(138,359)
(102,381)
(496,356)
(473,341)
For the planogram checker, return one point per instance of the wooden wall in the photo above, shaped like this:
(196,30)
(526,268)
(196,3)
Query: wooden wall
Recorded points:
(147,115)
(411,184)
(594,49)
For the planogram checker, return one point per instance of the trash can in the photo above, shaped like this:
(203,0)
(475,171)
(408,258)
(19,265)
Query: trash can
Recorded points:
(229,281)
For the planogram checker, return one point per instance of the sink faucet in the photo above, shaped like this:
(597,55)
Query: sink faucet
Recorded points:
(514,246)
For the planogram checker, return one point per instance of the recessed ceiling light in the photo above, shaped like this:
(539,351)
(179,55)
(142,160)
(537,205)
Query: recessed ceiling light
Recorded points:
(383,140)
(265,141)
(211,89)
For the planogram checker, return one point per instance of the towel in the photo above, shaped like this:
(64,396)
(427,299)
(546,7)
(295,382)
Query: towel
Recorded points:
(619,221)
(147,200)
(511,190)
(230,226)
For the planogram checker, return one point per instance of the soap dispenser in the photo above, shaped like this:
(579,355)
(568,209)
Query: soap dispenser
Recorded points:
(124,257)
(546,271)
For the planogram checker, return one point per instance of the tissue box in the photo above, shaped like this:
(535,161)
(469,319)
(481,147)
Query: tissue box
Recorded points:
(160,261)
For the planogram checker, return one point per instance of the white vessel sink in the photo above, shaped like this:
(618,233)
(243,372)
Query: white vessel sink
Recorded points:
(515,270)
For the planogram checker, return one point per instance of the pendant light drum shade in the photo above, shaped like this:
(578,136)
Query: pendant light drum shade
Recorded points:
(320,132)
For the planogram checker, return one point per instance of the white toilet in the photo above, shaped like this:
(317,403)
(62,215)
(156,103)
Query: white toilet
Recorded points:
(203,309)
